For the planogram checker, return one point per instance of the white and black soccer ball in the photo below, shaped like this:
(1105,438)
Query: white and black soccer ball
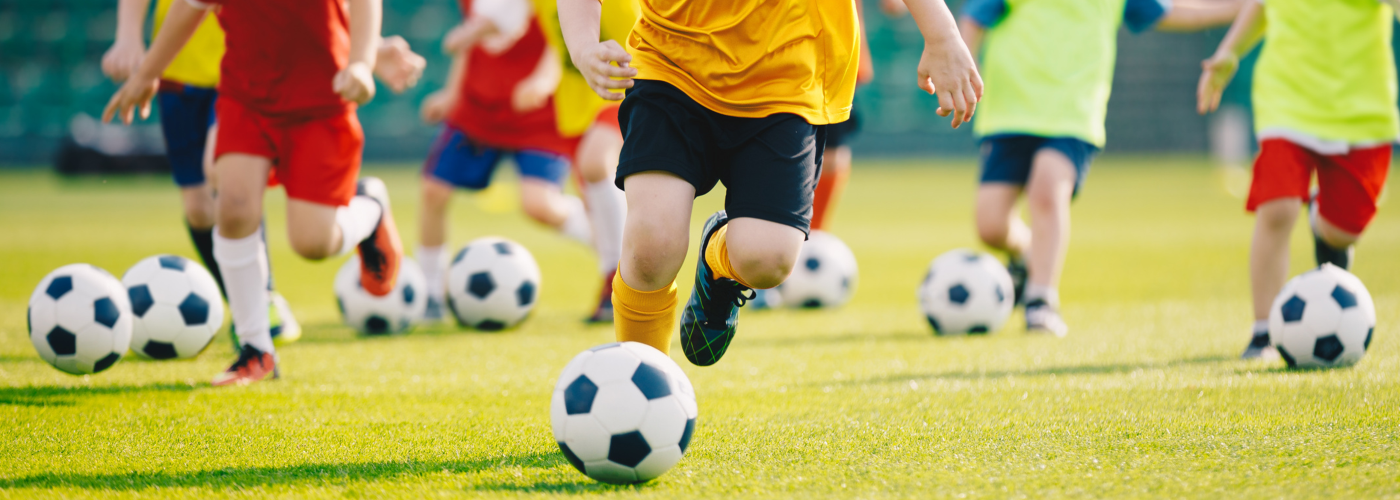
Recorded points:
(397,312)
(825,274)
(966,292)
(176,306)
(623,413)
(492,284)
(80,319)
(1323,318)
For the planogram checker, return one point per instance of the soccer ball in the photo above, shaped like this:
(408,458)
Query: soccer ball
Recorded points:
(1322,318)
(825,275)
(492,284)
(176,306)
(966,292)
(396,312)
(623,412)
(80,319)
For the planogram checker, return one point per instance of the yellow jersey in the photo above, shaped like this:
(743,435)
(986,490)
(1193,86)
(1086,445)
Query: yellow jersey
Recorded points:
(576,106)
(198,63)
(753,58)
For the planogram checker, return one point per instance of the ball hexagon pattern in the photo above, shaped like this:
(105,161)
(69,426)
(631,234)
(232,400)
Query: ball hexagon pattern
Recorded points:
(1322,318)
(825,275)
(492,284)
(397,312)
(80,319)
(177,306)
(623,413)
(965,292)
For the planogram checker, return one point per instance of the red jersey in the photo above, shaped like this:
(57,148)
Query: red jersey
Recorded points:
(484,110)
(282,55)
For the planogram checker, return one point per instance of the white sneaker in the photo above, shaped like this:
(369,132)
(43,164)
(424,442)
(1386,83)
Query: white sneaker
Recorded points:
(1041,317)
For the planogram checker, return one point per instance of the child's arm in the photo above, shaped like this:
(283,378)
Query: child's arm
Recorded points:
(534,91)
(128,49)
(946,67)
(1196,15)
(397,65)
(467,34)
(1220,68)
(579,21)
(138,90)
(355,82)
(438,104)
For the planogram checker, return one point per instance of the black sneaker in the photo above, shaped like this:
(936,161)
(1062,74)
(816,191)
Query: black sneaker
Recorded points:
(1322,252)
(1016,267)
(1041,317)
(711,314)
(1259,347)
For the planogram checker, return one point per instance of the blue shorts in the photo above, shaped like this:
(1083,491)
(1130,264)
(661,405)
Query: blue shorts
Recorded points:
(457,160)
(186,113)
(1007,158)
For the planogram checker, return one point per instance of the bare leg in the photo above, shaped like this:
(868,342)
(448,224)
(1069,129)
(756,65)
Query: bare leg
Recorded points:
(1268,254)
(1048,196)
(762,252)
(199,205)
(312,229)
(544,202)
(432,219)
(1334,236)
(658,229)
(241,181)
(998,224)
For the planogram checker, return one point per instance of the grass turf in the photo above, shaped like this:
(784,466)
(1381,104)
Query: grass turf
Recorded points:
(1144,398)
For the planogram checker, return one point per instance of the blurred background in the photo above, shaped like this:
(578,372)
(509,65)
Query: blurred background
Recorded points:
(51,87)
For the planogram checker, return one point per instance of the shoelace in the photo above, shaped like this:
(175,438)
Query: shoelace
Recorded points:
(725,292)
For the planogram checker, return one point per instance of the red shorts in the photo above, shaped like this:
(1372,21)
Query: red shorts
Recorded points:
(1348,184)
(316,160)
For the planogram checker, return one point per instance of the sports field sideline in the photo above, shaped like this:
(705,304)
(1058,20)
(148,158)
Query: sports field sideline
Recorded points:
(1143,398)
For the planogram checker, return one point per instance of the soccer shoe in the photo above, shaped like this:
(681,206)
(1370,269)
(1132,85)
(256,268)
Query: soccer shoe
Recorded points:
(1322,252)
(252,365)
(433,313)
(1259,348)
(381,251)
(1041,317)
(712,313)
(1016,267)
(604,312)
(285,328)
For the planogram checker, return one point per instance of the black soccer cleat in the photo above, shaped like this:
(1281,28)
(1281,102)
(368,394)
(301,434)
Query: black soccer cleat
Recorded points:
(1016,267)
(712,313)
(1259,347)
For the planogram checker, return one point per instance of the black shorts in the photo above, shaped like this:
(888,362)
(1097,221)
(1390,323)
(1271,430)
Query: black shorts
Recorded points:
(770,165)
(841,134)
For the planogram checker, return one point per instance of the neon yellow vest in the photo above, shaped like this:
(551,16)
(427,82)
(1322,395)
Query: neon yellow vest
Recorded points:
(1047,69)
(198,63)
(1327,70)
(575,104)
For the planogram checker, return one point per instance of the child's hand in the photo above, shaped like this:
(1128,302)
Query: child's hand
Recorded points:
(947,70)
(355,83)
(531,94)
(397,65)
(437,105)
(121,61)
(1216,73)
(596,65)
(135,94)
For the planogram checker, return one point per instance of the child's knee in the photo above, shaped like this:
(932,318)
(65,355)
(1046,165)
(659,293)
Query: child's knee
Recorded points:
(1335,236)
(993,231)
(763,268)
(239,213)
(311,245)
(1278,215)
(199,207)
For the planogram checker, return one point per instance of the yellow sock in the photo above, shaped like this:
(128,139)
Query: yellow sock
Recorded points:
(646,317)
(717,256)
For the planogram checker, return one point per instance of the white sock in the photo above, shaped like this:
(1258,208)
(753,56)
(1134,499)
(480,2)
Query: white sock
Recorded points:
(1261,327)
(243,262)
(1049,295)
(433,260)
(576,224)
(357,221)
(607,209)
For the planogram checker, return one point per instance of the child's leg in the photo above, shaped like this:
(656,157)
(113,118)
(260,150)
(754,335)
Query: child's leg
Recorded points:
(654,243)
(998,224)
(545,202)
(1268,253)
(597,156)
(1348,187)
(239,247)
(432,237)
(1048,195)
(755,252)
(836,169)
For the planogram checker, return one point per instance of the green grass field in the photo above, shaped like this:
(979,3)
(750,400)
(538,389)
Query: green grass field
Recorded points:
(1143,399)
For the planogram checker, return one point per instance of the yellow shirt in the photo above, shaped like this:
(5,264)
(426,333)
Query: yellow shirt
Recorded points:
(198,63)
(576,106)
(753,58)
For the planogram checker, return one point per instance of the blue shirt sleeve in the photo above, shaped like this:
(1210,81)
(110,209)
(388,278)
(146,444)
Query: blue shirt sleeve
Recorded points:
(1141,15)
(986,12)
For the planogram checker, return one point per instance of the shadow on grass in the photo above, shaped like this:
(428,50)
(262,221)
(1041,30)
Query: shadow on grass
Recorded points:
(316,475)
(1109,369)
(54,395)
